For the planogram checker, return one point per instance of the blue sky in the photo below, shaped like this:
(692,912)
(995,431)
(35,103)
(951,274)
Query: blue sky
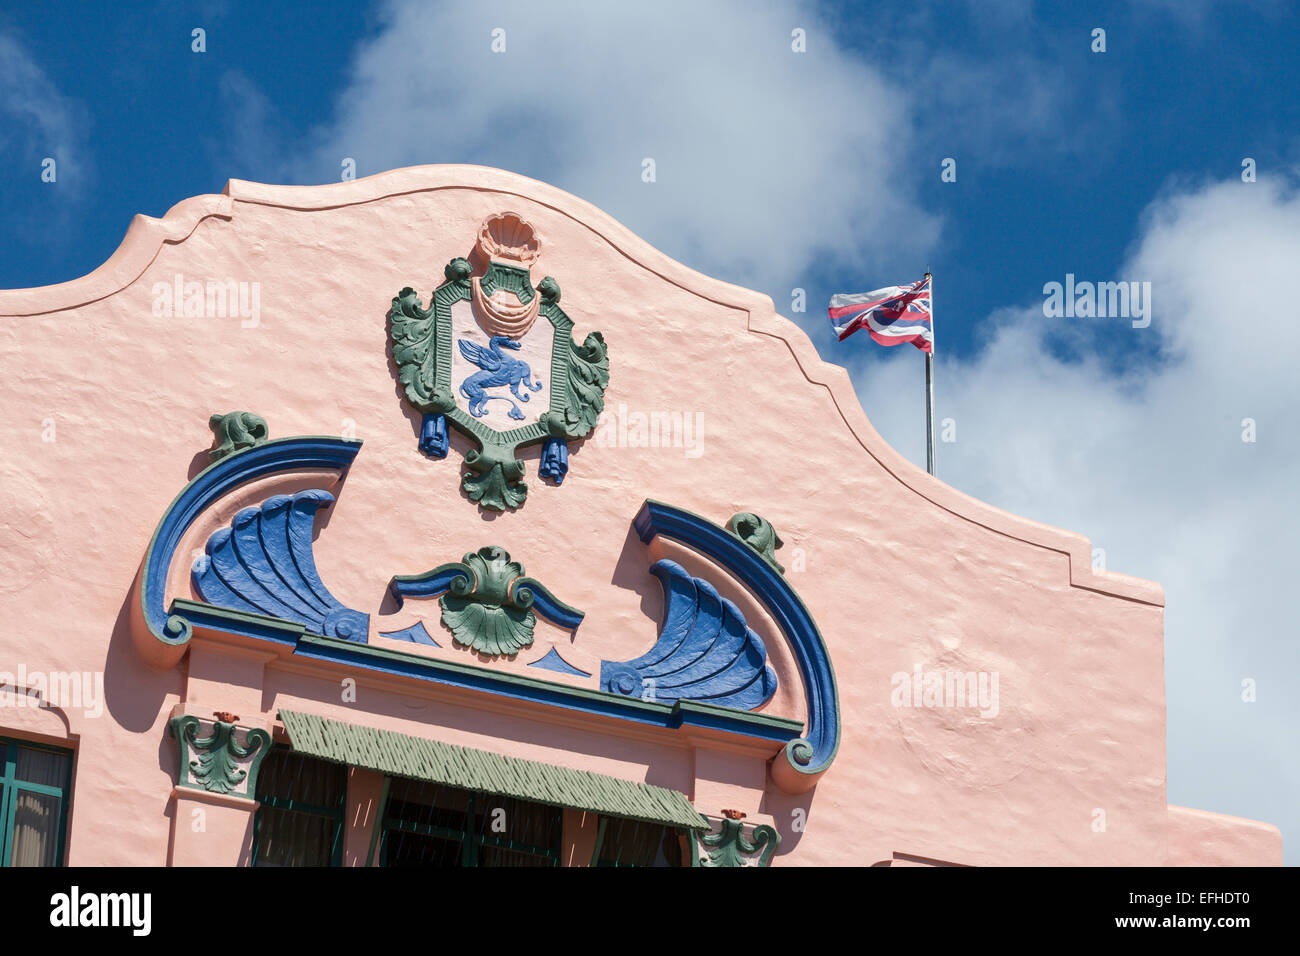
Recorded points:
(821,171)
(1184,90)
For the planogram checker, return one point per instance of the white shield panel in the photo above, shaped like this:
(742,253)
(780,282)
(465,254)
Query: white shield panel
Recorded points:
(502,386)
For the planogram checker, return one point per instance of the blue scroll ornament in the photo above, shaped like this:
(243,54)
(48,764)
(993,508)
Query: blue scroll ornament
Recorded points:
(555,460)
(263,563)
(705,651)
(433,435)
(807,757)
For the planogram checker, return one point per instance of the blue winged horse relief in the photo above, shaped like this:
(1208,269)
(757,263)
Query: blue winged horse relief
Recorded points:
(497,369)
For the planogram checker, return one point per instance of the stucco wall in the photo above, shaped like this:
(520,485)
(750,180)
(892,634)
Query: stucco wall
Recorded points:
(899,569)
(1199,838)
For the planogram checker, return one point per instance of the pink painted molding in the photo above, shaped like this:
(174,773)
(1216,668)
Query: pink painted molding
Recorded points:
(146,236)
(1202,838)
(247,804)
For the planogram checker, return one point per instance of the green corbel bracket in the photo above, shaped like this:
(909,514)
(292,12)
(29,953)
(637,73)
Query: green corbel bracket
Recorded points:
(495,476)
(212,763)
(728,847)
(757,532)
(235,431)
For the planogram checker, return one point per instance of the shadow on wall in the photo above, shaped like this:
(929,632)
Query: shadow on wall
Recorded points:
(632,573)
(134,692)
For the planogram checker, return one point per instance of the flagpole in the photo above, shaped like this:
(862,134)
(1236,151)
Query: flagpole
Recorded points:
(929,387)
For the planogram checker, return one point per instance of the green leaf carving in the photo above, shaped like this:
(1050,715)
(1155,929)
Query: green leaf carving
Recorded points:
(235,431)
(415,350)
(588,376)
(758,533)
(728,847)
(215,764)
(495,479)
(484,609)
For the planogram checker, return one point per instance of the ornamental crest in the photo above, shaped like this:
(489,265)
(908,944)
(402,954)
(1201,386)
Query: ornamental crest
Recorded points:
(478,359)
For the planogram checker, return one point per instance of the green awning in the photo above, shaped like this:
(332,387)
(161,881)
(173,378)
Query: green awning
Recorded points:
(417,758)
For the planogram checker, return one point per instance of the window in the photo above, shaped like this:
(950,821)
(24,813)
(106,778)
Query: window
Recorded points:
(637,843)
(431,825)
(33,803)
(300,820)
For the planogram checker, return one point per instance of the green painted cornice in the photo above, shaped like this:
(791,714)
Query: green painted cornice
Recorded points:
(765,730)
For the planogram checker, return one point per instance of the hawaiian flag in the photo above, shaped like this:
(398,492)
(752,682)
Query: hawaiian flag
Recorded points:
(891,315)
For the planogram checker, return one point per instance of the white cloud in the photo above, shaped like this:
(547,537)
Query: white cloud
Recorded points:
(1151,465)
(37,121)
(249,140)
(765,158)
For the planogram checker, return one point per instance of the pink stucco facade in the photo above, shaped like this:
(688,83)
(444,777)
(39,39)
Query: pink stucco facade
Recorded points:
(107,402)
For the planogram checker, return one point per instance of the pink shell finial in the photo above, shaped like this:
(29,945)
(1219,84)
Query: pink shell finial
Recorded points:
(509,237)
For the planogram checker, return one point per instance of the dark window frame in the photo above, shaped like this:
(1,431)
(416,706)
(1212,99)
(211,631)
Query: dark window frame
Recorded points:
(11,786)
(337,814)
(470,839)
(668,832)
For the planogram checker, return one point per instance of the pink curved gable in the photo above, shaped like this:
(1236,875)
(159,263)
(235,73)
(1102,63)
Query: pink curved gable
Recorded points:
(899,570)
